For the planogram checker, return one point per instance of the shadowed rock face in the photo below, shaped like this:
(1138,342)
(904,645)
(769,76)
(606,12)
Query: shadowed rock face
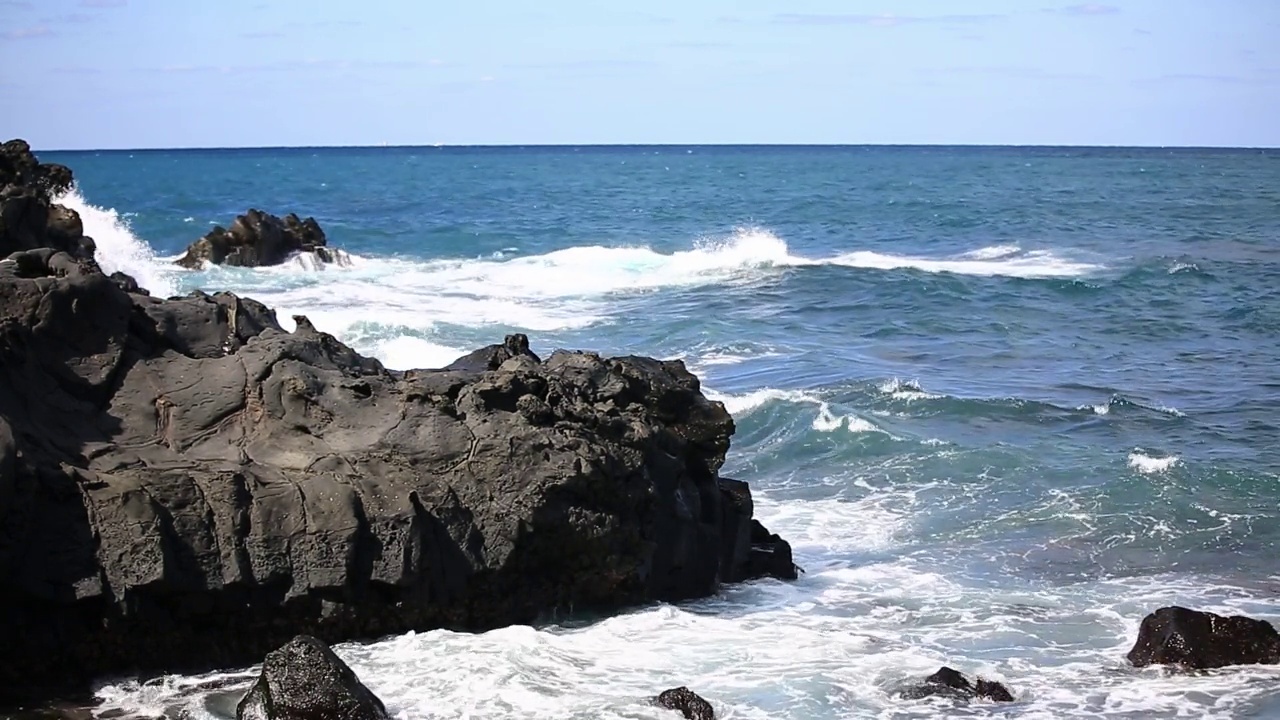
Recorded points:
(1199,640)
(304,680)
(953,684)
(257,239)
(687,703)
(29,220)
(185,485)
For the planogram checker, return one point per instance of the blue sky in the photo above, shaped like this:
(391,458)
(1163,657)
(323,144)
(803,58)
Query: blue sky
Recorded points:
(183,73)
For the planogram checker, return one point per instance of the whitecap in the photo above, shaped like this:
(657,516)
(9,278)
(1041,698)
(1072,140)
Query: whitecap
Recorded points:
(1148,465)
(118,249)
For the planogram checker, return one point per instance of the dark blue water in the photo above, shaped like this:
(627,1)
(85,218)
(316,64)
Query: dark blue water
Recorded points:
(1004,401)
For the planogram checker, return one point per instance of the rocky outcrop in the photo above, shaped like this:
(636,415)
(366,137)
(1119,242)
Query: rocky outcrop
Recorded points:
(29,219)
(258,239)
(1198,640)
(687,703)
(185,485)
(953,684)
(305,680)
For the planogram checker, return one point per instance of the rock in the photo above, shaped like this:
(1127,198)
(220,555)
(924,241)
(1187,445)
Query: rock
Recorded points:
(258,239)
(186,485)
(305,680)
(29,219)
(686,702)
(493,357)
(1199,640)
(953,684)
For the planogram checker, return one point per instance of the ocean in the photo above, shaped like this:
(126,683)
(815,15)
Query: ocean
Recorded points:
(1003,401)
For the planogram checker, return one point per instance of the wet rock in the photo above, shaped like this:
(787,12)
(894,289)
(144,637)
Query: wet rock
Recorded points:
(686,702)
(492,357)
(953,684)
(258,239)
(1199,640)
(185,485)
(305,680)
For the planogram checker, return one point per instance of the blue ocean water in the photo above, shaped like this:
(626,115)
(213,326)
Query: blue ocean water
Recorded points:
(1003,401)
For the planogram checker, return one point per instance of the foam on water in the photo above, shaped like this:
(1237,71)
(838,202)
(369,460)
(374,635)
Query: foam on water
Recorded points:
(118,249)
(1149,465)
(1034,264)
(405,353)
(841,642)
(908,390)
(744,404)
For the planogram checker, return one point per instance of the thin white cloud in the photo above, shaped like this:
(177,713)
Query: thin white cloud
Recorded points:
(28,33)
(882,20)
(1087,9)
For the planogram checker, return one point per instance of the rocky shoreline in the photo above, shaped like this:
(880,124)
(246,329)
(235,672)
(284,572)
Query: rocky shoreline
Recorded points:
(185,485)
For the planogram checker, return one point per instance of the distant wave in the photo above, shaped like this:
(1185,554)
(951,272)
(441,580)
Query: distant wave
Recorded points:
(902,398)
(567,289)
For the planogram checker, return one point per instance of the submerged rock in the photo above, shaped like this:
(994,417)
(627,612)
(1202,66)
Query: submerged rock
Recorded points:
(686,702)
(953,684)
(1199,640)
(258,239)
(185,485)
(305,680)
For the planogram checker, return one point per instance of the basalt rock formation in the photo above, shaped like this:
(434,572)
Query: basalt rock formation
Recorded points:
(258,239)
(186,485)
(1199,640)
(304,680)
(29,219)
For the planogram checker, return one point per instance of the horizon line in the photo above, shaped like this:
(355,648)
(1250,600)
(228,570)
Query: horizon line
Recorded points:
(487,146)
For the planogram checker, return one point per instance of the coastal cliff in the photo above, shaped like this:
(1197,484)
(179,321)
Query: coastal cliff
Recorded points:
(185,485)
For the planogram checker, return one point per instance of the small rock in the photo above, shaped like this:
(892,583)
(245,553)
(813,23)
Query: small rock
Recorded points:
(686,702)
(953,684)
(304,680)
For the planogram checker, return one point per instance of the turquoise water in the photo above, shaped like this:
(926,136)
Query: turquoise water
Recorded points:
(1003,401)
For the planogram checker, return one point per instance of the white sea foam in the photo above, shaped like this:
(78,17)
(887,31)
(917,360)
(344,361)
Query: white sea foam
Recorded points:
(1034,264)
(744,404)
(118,249)
(908,390)
(404,353)
(839,643)
(566,289)
(1148,465)
(993,252)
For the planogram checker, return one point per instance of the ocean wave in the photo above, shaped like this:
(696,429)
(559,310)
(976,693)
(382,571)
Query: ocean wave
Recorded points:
(118,249)
(1150,465)
(565,289)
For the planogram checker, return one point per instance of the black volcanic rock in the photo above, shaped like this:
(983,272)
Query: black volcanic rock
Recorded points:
(953,684)
(185,485)
(258,239)
(305,680)
(29,219)
(1199,640)
(687,703)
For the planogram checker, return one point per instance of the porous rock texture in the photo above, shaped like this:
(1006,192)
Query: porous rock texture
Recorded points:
(258,239)
(185,485)
(1198,640)
(305,680)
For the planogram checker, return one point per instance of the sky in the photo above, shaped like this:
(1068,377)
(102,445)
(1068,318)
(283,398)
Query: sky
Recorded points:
(96,74)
